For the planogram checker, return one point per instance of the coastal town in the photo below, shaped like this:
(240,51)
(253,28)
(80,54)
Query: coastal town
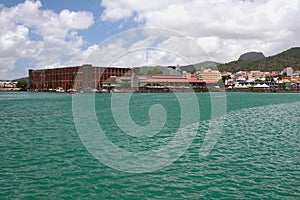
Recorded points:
(137,99)
(88,78)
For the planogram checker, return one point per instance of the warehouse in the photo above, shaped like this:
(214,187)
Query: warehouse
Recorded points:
(85,77)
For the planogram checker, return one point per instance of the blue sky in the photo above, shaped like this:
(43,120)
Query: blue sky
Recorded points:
(54,33)
(96,33)
(100,30)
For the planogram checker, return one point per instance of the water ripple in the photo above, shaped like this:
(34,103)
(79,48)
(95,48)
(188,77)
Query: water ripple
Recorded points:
(257,155)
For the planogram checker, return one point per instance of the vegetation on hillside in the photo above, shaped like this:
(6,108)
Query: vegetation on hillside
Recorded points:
(22,84)
(289,58)
(154,71)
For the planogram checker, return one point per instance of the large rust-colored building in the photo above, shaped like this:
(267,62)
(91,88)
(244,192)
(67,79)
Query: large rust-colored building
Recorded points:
(85,77)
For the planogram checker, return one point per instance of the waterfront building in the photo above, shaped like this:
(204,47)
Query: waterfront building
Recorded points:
(7,84)
(209,75)
(163,83)
(254,75)
(240,75)
(173,83)
(186,74)
(275,73)
(85,77)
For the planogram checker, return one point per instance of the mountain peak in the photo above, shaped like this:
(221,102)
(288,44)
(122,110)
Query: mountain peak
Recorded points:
(251,56)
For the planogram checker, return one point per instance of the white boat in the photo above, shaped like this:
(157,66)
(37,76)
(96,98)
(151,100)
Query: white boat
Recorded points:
(104,90)
(116,91)
(71,91)
(94,90)
(261,86)
(239,86)
(59,89)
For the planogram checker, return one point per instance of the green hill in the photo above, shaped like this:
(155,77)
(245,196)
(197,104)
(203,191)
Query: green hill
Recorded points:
(288,58)
(22,79)
(251,56)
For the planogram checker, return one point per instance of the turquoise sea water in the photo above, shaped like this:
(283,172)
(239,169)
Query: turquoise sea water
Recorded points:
(257,154)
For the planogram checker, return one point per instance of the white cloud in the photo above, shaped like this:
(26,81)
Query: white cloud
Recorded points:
(149,46)
(224,28)
(121,9)
(29,31)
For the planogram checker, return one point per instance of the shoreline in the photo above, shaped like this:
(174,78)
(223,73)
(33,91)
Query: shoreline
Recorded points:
(207,91)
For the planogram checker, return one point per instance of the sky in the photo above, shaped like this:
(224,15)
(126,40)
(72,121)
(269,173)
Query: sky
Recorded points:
(57,33)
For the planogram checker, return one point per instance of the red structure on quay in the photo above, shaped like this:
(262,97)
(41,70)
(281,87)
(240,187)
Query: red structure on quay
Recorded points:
(85,77)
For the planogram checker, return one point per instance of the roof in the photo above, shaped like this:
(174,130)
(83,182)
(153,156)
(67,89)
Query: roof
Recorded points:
(174,79)
(195,80)
(167,77)
(164,80)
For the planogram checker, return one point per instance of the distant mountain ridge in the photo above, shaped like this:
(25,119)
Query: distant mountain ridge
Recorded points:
(21,79)
(288,58)
(173,70)
(247,62)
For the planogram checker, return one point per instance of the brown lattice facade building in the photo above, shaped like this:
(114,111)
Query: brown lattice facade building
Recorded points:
(85,77)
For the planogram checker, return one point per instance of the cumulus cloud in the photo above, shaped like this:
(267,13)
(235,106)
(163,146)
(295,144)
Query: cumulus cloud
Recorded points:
(224,28)
(29,31)
(148,46)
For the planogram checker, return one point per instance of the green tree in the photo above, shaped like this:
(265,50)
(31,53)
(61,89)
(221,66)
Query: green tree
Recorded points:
(154,71)
(225,77)
(22,84)
(220,83)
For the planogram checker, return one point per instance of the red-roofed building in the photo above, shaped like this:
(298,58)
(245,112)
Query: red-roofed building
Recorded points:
(173,83)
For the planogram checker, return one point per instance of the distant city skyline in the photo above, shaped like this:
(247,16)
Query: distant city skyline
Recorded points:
(53,33)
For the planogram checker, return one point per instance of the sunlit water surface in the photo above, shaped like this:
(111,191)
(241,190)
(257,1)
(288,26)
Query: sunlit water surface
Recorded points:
(256,156)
